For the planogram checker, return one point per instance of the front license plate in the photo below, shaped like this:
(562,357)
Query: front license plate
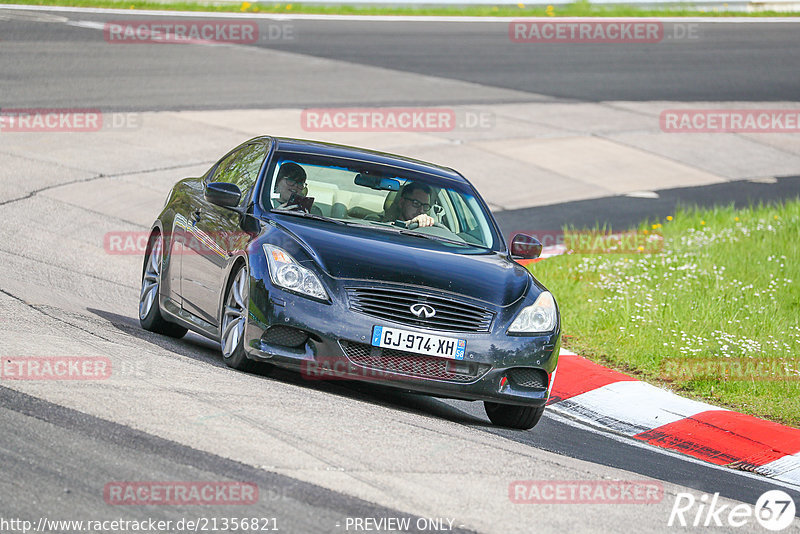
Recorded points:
(395,338)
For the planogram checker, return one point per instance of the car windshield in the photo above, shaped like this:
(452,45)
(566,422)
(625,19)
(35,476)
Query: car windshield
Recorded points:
(379,197)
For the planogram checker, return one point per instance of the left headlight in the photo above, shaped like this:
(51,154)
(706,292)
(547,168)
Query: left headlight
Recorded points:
(285,272)
(538,318)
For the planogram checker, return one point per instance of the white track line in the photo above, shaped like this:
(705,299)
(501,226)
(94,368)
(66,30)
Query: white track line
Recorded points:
(379,18)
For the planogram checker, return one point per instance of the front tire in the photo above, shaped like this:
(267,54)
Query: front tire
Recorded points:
(150,317)
(234,317)
(507,415)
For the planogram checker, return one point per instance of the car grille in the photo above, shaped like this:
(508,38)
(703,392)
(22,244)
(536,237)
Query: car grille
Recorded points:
(395,305)
(528,378)
(410,364)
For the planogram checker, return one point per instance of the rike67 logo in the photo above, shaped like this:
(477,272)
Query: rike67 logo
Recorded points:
(774,510)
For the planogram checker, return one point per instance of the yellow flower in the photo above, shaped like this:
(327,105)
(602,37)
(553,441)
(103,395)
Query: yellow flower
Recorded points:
(645,231)
(245,6)
(521,6)
(288,7)
(702,222)
(776,217)
(641,248)
(550,11)
(669,217)
(736,219)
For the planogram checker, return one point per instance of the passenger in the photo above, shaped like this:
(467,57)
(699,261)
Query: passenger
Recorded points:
(411,206)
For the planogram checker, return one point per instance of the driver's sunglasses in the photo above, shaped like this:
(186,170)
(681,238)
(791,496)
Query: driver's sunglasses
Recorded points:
(417,204)
(299,183)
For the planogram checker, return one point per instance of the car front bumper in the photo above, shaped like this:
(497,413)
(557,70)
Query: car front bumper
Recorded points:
(337,346)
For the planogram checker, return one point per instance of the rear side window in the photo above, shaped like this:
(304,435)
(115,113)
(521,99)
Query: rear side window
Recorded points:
(241,168)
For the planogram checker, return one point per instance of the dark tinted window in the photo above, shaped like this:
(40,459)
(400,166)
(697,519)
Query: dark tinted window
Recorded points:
(241,167)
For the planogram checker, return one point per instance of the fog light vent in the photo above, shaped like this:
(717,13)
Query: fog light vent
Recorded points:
(528,378)
(285,336)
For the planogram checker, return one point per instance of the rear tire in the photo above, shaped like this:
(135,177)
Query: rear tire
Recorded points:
(507,415)
(150,317)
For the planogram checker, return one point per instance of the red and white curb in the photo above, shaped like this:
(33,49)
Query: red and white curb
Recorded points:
(601,397)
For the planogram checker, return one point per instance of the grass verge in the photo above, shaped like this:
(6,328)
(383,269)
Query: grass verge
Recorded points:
(577,9)
(715,315)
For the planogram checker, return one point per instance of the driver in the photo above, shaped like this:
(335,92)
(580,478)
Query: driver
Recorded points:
(412,206)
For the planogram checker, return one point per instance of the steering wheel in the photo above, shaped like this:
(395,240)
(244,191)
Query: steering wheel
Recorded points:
(415,225)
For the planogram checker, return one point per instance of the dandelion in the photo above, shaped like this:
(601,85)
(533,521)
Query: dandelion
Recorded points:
(669,217)
(702,223)
(246,6)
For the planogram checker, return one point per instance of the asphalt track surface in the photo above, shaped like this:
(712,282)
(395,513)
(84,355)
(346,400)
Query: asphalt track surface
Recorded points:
(190,418)
(720,62)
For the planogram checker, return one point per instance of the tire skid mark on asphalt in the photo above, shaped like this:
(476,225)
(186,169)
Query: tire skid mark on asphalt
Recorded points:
(96,177)
(63,268)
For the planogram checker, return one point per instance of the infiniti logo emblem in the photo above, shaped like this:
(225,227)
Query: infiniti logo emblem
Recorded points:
(424,311)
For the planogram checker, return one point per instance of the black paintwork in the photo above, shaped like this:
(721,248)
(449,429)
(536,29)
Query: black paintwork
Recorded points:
(204,243)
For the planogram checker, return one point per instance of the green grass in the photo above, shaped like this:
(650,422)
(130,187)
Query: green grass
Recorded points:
(724,292)
(577,9)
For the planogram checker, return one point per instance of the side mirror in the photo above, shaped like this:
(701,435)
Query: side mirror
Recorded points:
(223,194)
(525,247)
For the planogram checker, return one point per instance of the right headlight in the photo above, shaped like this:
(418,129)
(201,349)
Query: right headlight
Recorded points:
(285,272)
(538,318)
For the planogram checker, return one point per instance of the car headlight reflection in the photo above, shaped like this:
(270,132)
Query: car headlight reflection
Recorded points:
(285,272)
(539,317)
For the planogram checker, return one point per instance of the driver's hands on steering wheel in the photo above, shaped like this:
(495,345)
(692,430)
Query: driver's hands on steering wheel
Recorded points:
(422,220)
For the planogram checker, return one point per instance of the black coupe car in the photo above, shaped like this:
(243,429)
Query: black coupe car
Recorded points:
(342,262)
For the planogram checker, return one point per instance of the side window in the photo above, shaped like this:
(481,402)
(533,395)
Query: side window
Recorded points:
(465,215)
(241,168)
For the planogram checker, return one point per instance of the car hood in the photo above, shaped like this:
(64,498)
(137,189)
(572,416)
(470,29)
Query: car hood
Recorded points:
(347,252)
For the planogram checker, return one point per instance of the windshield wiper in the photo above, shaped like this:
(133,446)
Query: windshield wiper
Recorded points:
(438,238)
(307,215)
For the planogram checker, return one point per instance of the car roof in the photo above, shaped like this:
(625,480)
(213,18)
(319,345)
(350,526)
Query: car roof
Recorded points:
(288,144)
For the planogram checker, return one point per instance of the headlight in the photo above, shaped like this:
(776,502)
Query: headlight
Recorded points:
(285,272)
(537,318)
